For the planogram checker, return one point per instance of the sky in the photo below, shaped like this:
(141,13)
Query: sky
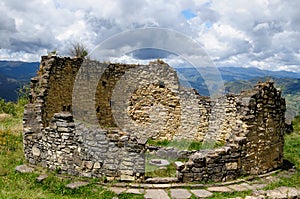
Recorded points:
(256,33)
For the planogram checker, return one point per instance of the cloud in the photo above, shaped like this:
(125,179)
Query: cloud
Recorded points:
(257,33)
(260,33)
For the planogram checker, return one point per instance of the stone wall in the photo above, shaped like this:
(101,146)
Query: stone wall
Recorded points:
(94,119)
(255,129)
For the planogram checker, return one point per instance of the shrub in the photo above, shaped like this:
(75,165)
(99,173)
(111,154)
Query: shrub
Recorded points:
(78,50)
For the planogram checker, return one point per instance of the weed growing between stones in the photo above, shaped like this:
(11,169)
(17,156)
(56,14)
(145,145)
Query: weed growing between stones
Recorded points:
(220,195)
(9,142)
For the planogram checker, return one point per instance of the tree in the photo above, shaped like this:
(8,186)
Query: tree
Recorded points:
(78,49)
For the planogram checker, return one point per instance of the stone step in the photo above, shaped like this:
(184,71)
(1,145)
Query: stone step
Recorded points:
(161,180)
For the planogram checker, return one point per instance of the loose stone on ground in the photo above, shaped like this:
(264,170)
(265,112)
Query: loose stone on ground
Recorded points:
(76,185)
(24,169)
(180,193)
(159,162)
(42,177)
(156,194)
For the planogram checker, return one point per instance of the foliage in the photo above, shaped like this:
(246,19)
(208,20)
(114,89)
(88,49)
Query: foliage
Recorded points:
(52,53)
(296,124)
(130,196)
(11,108)
(8,108)
(78,49)
(9,141)
(220,195)
(16,109)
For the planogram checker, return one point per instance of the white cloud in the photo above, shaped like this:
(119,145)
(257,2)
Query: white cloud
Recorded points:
(260,33)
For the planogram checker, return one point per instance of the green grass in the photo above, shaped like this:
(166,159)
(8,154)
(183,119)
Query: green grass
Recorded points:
(296,124)
(219,195)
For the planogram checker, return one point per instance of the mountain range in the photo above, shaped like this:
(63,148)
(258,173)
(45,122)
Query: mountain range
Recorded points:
(14,74)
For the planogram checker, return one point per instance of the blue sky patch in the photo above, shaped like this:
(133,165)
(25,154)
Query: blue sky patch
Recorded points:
(188,14)
(208,24)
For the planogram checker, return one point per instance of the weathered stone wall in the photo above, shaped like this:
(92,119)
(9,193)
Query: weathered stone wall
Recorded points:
(95,119)
(264,123)
(255,129)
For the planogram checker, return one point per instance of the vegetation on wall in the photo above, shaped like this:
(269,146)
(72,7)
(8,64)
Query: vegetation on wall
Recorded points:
(78,50)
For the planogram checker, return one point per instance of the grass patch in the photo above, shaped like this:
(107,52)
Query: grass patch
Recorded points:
(130,196)
(296,124)
(242,194)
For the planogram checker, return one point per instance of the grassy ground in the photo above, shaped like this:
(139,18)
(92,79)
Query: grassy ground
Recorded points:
(16,185)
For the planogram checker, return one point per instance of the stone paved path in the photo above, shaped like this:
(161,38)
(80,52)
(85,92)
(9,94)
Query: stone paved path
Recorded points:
(182,191)
(156,194)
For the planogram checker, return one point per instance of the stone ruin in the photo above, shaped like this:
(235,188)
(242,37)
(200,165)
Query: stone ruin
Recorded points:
(104,132)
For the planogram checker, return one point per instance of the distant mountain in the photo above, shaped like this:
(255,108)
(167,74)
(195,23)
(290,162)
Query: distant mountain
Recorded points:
(193,78)
(14,74)
(240,73)
(19,70)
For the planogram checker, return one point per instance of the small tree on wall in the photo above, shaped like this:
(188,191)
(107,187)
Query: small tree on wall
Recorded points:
(78,49)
